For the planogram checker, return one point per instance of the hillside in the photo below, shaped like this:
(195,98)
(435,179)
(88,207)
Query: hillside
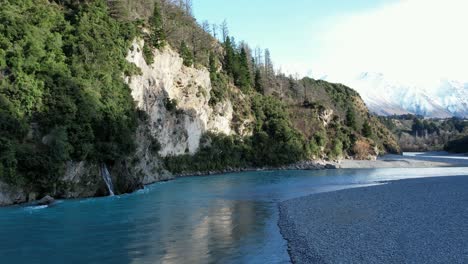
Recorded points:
(416,133)
(140,89)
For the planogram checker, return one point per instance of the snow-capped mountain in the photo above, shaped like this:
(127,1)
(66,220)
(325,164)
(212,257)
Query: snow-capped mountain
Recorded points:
(384,97)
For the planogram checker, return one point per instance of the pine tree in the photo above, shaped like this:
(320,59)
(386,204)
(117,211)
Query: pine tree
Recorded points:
(186,54)
(367,130)
(351,118)
(212,63)
(243,72)
(229,57)
(157,35)
(258,81)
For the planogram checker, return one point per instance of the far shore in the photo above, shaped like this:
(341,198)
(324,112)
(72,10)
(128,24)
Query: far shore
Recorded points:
(407,160)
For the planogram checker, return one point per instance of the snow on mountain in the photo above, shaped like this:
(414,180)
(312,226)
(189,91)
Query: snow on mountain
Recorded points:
(384,97)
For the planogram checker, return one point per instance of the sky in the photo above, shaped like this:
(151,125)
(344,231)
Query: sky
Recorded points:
(411,41)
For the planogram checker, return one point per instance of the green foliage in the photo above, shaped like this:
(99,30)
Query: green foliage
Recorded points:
(8,161)
(148,54)
(157,35)
(212,64)
(242,74)
(458,145)
(336,150)
(236,64)
(219,82)
(258,83)
(170,104)
(367,130)
(186,54)
(218,152)
(274,142)
(62,96)
(351,118)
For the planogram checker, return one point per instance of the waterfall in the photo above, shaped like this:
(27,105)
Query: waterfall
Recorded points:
(107,179)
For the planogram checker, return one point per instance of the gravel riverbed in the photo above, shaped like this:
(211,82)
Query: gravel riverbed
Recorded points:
(407,221)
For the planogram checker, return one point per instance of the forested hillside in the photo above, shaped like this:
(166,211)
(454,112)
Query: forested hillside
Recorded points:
(64,99)
(415,133)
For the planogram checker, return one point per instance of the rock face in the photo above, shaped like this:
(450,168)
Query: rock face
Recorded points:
(326,116)
(176,98)
(47,200)
(82,180)
(11,195)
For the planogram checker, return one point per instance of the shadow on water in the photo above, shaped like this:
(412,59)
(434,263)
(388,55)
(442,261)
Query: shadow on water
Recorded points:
(222,219)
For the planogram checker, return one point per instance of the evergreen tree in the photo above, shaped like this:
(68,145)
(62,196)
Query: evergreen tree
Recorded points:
(243,72)
(157,36)
(367,130)
(258,84)
(351,118)
(229,57)
(212,63)
(186,54)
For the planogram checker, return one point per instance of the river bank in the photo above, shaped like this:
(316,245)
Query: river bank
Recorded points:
(10,195)
(407,160)
(406,221)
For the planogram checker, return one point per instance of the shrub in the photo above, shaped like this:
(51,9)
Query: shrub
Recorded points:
(362,149)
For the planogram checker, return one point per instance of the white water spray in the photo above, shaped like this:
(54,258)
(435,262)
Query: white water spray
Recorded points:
(107,179)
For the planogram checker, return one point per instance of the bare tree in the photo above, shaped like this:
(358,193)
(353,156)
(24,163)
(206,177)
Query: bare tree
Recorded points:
(224,30)
(258,57)
(215,30)
(188,7)
(206,26)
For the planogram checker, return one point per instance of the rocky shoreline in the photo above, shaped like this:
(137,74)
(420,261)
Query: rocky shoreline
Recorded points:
(406,221)
(10,195)
(303,165)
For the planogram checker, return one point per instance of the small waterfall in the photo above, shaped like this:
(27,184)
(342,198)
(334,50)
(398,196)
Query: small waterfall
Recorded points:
(107,179)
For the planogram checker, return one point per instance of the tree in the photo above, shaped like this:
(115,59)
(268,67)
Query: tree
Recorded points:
(157,35)
(214,30)
(258,85)
(269,70)
(212,63)
(243,73)
(351,118)
(224,30)
(367,130)
(206,26)
(229,57)
(186,54)
(188,7)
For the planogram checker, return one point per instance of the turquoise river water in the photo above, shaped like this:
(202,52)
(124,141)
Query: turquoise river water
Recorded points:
(229,218)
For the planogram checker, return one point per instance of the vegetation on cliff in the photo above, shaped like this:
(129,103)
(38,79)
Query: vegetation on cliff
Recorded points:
(63,96)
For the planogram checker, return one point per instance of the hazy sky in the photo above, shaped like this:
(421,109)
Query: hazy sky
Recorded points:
(415,41)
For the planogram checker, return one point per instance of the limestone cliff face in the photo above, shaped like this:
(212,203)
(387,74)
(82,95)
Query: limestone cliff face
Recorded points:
(176,98)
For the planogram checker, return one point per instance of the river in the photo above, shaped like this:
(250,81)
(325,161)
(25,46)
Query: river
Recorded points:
(229,218)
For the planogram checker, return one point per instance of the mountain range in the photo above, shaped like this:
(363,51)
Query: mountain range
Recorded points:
(383,96)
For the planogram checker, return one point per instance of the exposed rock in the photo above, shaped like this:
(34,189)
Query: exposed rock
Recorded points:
(326,116)
(47,200)
(81,179)
(180,127)
(11,195)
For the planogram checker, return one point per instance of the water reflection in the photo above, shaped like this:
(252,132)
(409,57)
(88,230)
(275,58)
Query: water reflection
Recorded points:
(223,219)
